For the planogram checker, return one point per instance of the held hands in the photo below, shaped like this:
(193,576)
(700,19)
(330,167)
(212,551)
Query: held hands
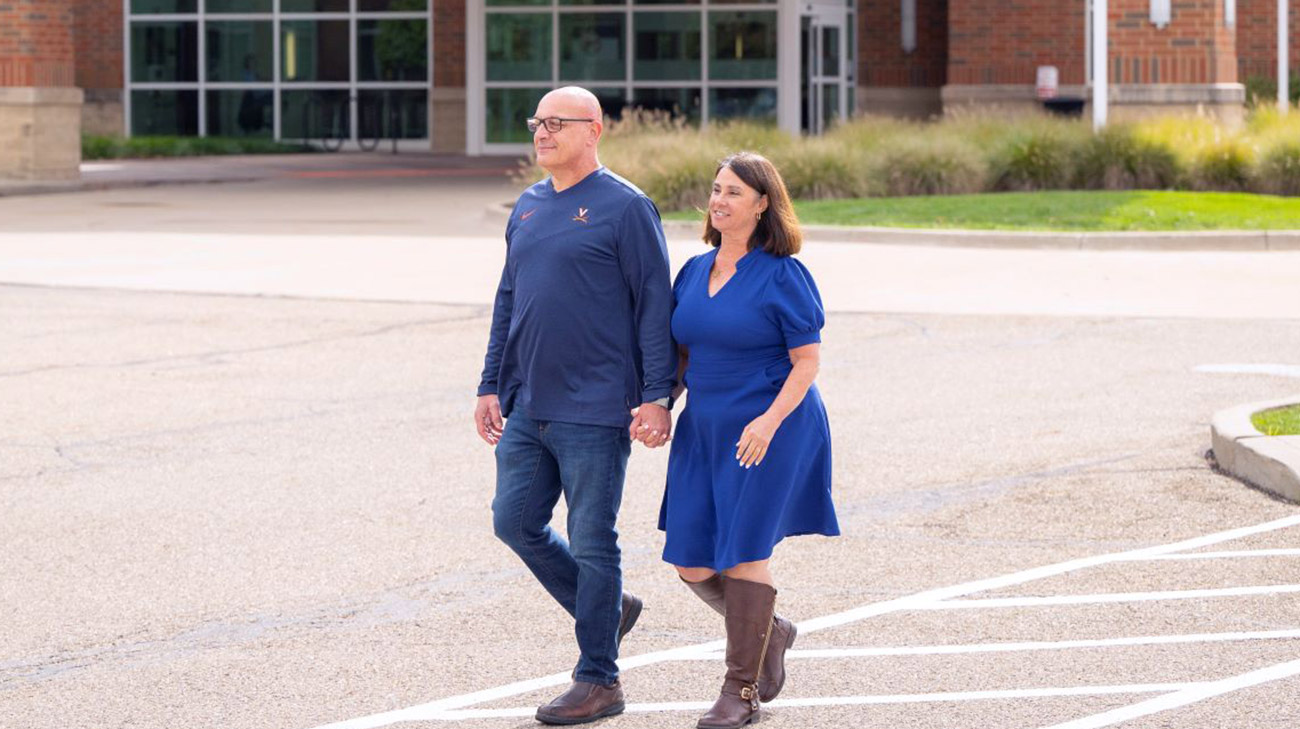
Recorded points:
(754,440)
(651,424)
(487,418)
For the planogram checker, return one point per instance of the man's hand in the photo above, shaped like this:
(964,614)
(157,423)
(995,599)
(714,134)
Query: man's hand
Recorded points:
(651,424)
(487,418)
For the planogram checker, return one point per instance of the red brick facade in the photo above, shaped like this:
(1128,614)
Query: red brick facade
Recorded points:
(999,42)
(1257,38)
(882,62)
(99,44)
(449,43)
(1196,47)
(36,43)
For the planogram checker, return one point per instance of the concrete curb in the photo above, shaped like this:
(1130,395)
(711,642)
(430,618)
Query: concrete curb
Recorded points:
(1212,240)
(1271,463)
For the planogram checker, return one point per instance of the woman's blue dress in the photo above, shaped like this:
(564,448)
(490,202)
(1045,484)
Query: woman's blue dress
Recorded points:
(715,512)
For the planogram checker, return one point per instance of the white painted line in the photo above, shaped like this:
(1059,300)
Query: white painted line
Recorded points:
(1281,370)
(1005,602)
(1189,695)
(421,712)
(1242,554)
(1037,573)
(934,698)
(938,650)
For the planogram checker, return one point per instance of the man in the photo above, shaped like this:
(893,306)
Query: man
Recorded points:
(580,361)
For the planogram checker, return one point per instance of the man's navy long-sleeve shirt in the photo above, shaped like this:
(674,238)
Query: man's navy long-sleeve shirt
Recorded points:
(581,324)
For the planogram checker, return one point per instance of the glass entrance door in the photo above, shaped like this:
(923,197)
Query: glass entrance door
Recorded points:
(826,66)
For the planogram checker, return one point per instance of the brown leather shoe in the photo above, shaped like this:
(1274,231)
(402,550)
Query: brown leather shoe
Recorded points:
(749,630)
(772,678)
(631,610)
(583,702)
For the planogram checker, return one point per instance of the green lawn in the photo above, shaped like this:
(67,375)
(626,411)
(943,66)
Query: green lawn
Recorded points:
(1279,421)
(1059,210)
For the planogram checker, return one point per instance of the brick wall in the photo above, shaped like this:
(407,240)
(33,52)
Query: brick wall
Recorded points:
(36,43)
(1005,41)
(1257,38)
(881,59)
(1195,48)
(449,43)
(99,44)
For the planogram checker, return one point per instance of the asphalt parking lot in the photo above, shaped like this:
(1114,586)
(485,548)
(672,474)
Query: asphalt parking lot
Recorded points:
(240,487)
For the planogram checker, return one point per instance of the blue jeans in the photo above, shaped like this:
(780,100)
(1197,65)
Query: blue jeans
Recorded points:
(536,462)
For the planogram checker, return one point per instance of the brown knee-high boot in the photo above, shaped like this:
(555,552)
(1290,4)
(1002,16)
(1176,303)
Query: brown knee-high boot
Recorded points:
(749,607)
(772,678)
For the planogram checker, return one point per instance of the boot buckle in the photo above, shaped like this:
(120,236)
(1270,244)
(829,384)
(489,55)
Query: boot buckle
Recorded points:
(750,694)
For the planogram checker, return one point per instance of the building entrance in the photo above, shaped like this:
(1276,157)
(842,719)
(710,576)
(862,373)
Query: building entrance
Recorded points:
(826,89)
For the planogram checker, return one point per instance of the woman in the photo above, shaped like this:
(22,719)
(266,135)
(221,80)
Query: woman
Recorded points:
(751,458)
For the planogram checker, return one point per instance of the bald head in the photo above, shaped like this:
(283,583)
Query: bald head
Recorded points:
(575,100)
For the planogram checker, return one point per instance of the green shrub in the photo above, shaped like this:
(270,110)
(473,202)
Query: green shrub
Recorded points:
(1042,159)
(1261,91)
(1278,172)
(100,147)
(921,166)
(1225,166)
(824,167)
(1116,158)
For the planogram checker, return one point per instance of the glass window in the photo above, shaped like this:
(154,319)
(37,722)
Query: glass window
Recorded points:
(314,50)
(518,47)
(313,6)
(830,51)
(506,111)
(759,104)
(314,114)
(238,6)
(495,3)
(678,102)
(592,2)
(393,114)
(164,112)
(612,100)
(392,6)
(240,112)
(670,2)
(591,46)
(392,50)
(742,45)
(153,7)
(240,50)
(667,46)
(164,52)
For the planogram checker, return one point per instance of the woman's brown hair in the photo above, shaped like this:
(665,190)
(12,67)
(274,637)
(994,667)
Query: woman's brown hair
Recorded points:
(778,229)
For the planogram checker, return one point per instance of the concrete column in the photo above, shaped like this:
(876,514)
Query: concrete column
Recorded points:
(40,106)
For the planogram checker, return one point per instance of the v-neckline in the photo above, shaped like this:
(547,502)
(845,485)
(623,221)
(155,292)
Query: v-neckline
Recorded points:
(708,277)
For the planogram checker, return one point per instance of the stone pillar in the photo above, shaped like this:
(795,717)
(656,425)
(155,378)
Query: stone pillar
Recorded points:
(447,99)
(40,105)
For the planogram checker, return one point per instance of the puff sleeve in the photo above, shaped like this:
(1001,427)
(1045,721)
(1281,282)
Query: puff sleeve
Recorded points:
(794,304)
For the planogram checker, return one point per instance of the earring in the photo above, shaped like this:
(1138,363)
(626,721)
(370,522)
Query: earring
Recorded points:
(758,215)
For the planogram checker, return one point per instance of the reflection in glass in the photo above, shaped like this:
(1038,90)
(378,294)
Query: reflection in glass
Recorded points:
(669,2)
(314,50)
(241,112)
(830,105)
(154,7)
(239,50)
(678,102)
(392,50)
(506,111)
(391,6)
(393,113)
(667,47)
(830,51)
(313,6)
(238,6)
(757,104)
(518,47)
(164,112)
(164,52)
(612,101)
(314,114)
(591,46)
(743,45)
(500,3)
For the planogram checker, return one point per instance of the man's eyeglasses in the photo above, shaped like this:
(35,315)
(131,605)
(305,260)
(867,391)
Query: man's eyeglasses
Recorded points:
(553,124)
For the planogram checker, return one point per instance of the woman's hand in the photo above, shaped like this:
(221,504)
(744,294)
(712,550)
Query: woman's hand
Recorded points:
(755,439)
